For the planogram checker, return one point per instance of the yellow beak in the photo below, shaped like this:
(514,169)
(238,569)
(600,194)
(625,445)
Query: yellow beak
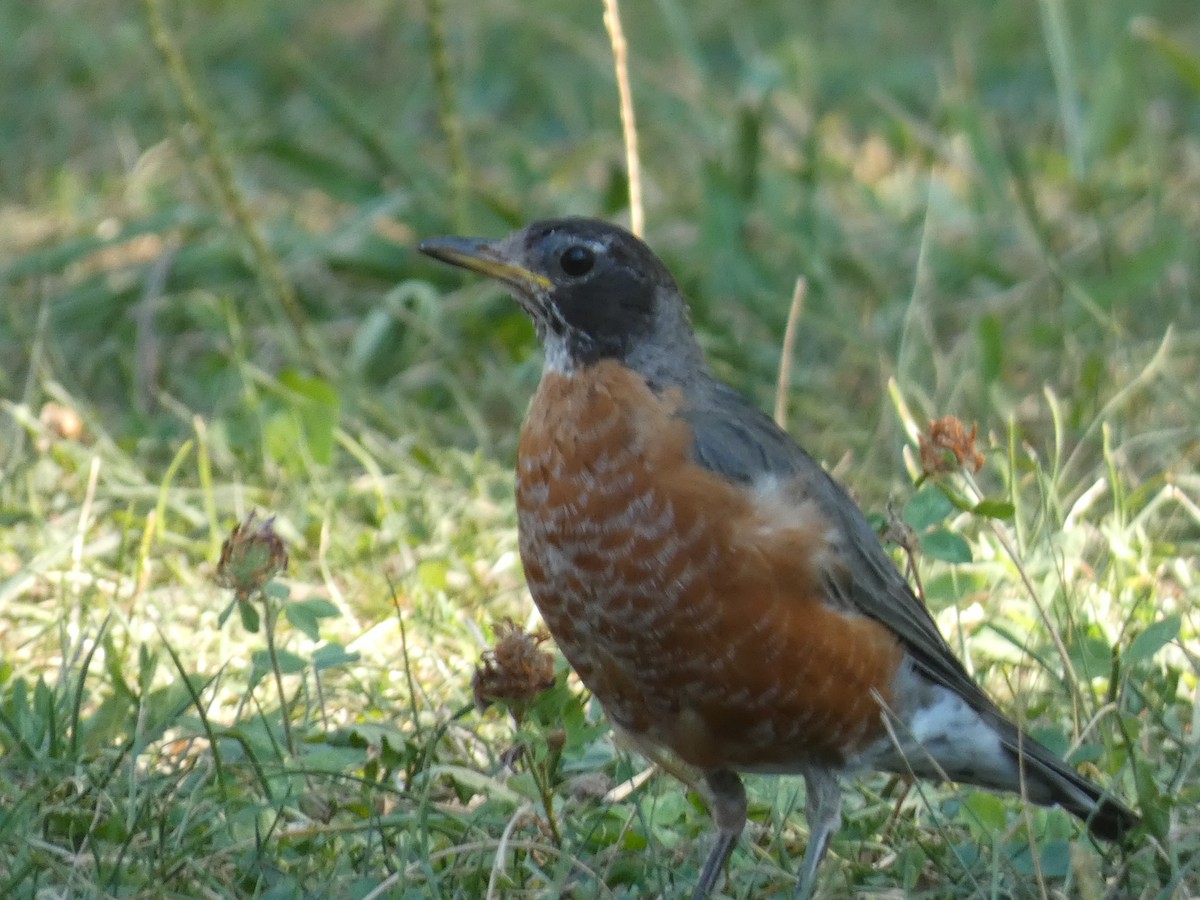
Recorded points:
(480,255)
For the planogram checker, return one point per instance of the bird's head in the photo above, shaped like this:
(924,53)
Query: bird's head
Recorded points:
(594,292)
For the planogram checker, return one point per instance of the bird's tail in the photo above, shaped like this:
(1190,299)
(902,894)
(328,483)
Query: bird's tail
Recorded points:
(1048,780)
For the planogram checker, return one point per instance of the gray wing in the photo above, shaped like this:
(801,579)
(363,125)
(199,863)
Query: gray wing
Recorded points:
(736,440)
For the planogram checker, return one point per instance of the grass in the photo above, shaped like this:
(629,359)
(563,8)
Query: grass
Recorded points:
(213,306)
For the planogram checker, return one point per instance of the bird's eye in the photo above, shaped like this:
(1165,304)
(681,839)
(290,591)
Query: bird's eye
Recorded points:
(577,260)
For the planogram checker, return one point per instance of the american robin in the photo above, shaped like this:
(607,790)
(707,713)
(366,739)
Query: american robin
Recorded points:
(718,591)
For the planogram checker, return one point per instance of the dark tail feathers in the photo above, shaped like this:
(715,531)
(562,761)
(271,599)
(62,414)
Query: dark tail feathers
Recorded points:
(1049,780)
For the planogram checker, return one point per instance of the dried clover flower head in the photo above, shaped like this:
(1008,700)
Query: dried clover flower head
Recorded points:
(515,670)
(949,446)
(251,556)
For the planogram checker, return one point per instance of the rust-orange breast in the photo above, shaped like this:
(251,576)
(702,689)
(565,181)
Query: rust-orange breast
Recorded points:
(693,609)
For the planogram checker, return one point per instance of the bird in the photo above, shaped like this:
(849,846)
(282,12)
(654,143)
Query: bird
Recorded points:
(720,594)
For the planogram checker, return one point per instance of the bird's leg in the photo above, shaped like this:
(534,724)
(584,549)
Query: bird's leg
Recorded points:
(823,808)
(728,801)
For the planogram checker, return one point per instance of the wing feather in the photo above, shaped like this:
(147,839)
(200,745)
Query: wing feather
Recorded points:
(736,440)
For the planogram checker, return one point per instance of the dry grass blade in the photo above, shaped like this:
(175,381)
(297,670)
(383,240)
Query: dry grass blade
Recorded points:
(633,162)
(788,352)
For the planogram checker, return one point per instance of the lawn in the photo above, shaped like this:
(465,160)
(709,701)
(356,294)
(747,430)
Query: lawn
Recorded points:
(213,307)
